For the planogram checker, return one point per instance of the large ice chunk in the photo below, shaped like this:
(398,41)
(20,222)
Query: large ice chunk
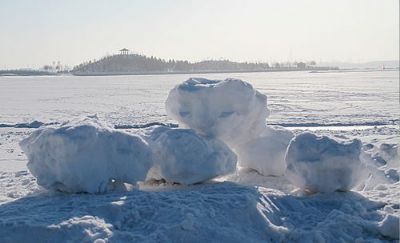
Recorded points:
(266,153)
(231,110)
(321,164)
(184,157)
(86,157)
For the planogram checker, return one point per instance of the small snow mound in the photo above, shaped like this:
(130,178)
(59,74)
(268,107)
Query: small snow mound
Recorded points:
(389,226)
(184,157)
(266,153)
(390,153)
(231,110)
(86,157)
(321,164)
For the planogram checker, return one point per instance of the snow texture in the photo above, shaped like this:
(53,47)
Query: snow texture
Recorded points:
(87,157)
(389,226)
(217,212)
(184,157)
(221,212)
(231,110)
(266,153)
(321,164)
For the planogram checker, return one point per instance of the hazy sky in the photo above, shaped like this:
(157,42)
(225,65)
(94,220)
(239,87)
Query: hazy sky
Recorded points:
(37,32)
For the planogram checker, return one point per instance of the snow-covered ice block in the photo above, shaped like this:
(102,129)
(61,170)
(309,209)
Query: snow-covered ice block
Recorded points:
(86,157)
(184,157)
(231,110)
(266,153)
(321,164)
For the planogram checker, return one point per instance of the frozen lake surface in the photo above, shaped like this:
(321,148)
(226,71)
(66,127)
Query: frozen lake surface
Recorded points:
(295,98)
(346,103)
(244,206)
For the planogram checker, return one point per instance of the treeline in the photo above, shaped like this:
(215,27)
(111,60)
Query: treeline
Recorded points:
(24,72)
(135,63)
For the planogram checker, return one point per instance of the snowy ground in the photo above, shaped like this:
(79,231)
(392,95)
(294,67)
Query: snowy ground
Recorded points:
(244,206)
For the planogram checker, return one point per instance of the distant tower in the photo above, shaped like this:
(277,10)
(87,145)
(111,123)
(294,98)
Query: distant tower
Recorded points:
(124,51)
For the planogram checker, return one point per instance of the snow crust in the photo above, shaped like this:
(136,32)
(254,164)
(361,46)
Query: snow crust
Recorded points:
(87,157)
(321,164)
(184,157)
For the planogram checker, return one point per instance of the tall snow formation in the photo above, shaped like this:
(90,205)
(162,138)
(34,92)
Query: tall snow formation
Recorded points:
(321,164)
(183,156)
(86,157)
(233,111)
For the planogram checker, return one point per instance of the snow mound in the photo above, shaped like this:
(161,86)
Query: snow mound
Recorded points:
(266,153)
(388,154)
(184,157)
(231,110)
(86,157)
(234,112)
(321,164)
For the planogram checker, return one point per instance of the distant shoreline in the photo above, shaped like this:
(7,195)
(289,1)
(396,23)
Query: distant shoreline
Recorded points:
(200,72)
(313,70)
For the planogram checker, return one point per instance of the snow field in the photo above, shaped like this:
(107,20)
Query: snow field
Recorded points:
(220,212)
(252,207)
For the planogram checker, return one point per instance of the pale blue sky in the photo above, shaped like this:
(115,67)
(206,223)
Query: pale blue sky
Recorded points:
(37,32)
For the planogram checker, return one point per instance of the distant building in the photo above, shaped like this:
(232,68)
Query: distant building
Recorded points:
(124,51)
(301,65)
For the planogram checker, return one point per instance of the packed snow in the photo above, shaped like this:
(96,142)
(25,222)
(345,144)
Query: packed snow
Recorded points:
(322,164)
(266,152)
(91,157)
(231,109)
(233,202)
(184,157)
(87,157)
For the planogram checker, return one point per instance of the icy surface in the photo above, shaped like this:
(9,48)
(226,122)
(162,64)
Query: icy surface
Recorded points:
(86,157)
(322,164)
(231,110)
(266,153)
(184,157)
(294,98)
